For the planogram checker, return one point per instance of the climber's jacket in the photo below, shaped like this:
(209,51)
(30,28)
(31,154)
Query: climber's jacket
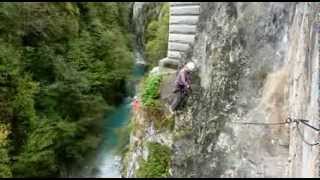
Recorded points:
(183,79)
(135,105)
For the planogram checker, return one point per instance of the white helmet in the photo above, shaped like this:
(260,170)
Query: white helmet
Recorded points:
(190,66)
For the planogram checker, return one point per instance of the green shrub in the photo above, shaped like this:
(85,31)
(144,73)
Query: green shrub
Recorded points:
(158,163)
(151,91)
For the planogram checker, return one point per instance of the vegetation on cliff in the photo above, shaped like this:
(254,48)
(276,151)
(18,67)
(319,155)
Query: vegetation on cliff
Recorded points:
(151,91)
(158,162)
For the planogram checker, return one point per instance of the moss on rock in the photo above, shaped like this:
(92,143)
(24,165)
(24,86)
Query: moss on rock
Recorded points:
(158,162)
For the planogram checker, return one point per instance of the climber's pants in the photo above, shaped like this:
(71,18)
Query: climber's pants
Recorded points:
(180,95)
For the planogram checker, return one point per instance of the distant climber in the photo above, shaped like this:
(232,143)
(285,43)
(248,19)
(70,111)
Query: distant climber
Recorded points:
(135,104)
(182,85)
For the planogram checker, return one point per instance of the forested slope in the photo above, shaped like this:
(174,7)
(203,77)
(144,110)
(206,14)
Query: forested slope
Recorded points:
(62,67)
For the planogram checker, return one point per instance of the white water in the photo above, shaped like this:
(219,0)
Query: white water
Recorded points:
(110,166)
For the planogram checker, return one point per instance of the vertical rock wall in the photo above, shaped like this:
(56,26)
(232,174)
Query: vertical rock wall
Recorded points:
(258,62)
(304,90)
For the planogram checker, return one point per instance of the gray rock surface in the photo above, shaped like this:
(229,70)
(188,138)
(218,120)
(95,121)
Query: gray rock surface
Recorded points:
(257,62)
(251,58)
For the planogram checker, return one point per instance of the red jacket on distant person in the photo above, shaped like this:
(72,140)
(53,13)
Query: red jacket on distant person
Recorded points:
(135,104)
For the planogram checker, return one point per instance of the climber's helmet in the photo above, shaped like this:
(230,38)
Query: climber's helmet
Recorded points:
(190,66)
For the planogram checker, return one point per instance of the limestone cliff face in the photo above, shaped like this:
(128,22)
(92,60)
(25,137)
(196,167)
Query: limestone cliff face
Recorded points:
(303,62)
(258,62)
(238,45)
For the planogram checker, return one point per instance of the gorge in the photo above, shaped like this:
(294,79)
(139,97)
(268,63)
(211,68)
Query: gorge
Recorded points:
(69,72)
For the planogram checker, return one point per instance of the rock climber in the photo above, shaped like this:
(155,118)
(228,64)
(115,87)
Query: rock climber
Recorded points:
(135,104)
(182,85)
